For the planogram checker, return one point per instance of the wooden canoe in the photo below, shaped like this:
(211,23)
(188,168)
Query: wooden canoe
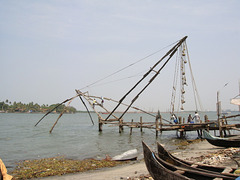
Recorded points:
(160,169)
(221,142)
(167,156)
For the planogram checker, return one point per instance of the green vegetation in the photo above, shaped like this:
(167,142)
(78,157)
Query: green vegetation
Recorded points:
(58,166)
(7,106)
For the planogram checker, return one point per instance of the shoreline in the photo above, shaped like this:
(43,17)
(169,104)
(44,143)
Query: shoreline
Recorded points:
(119,172)
(136,169)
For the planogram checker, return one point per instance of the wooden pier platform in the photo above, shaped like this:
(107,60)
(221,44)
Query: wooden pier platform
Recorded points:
(182,128)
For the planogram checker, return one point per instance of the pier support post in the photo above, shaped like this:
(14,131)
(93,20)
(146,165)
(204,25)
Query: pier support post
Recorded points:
(99,124)
(220,127)
(219,110)
(156,126)
(179,120)
(229,133)
(206,118)
(224,122)
(157,123)
(131,127)
(141,123)
(206,121)
(181,130)
(161,124)
(120,125)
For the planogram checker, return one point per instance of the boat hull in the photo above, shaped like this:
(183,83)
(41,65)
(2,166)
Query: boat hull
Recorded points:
(160,169)
(221,142)
(157,170)
(167,156)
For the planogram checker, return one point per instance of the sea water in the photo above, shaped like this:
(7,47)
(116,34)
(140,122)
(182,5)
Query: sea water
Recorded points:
(75,137)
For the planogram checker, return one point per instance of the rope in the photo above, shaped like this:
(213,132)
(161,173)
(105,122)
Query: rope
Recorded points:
(197,99)
(129,77)
(127,66)
(173,98)
(195,91)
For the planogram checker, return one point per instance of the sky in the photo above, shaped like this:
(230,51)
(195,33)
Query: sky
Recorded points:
(49,48)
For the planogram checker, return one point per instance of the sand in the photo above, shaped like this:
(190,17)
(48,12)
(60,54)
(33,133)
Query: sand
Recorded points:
(115,173)
(138,168)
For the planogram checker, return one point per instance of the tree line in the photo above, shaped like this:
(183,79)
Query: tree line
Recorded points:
(7,106)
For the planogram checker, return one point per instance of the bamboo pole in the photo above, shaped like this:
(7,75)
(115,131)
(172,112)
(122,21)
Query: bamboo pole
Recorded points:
(233,116)
(206,121)
(133,107)
(157,125)
(131,128)
(141,123)
(181,130)
(120,125)
(59,116)
(89,99)
(149,82)
(91,104)
(218,114)
(55,108)
(161,124)
(78,92)
(99,124)
(171,52)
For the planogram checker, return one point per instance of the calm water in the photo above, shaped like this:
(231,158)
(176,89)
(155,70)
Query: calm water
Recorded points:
(74,136)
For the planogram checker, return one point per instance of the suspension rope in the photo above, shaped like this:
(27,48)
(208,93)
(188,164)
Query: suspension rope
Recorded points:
(179,65)
(195,91)
(127,66)
(129,77)
(173,98)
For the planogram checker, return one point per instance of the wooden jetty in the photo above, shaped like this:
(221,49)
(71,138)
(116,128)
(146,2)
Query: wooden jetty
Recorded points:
(160,124)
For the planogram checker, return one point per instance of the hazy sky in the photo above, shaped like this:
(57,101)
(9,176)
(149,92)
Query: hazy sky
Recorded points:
(49,48)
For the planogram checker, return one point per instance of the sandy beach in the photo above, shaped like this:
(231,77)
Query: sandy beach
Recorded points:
(135,170)
(123,172)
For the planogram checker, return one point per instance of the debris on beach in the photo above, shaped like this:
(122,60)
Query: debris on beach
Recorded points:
(58,166)
(223,156)
(184,143)
(140,177)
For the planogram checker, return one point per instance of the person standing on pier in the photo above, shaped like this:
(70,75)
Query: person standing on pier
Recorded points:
(94,103)
(189,118)
(196,119)
(174,118)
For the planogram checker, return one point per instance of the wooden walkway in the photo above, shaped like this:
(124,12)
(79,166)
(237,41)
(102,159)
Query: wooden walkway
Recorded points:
(159,125)
(182,128)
